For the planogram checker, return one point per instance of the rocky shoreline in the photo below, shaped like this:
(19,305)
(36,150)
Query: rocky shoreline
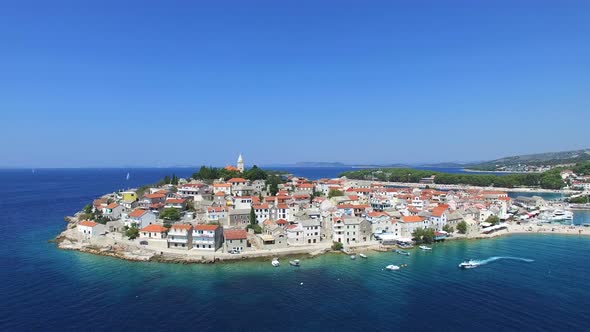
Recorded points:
(119,248)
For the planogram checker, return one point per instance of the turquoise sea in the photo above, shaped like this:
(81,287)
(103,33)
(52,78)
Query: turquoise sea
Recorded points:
(44,288)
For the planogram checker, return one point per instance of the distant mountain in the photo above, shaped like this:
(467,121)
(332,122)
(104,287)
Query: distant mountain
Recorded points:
(538,159)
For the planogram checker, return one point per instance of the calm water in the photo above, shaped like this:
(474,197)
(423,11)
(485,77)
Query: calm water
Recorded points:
(46,288)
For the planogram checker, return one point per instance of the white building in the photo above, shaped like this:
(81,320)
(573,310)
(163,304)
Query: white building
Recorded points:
(180,236)
(217,214)
(295,234)
(153,231)
(410,223)
(311,231)
(90,228)
(207,237)
(112,211)
(140,218)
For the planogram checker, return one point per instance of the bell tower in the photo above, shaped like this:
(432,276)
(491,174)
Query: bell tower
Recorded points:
(240,163)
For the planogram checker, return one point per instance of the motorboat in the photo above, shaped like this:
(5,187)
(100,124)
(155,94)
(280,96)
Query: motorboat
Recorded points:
(561,215)
(402,252)
(353,257)
(294,262)
(425,248)
(275,262)
(392,267)
(470,264)
(363,255)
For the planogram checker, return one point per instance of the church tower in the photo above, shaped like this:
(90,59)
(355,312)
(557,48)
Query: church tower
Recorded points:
(240,163)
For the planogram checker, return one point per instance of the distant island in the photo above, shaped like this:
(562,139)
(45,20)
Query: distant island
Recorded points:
(530,163)
(539,162)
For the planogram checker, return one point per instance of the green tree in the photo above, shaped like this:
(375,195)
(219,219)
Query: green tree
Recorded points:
(167,224)
(462,227)
(88,209)
(257,229)
(255,173)
(170,214)
(448,228)
(273,184)
(227,174)
(334,193)
(493,219)
(337,246)
(206,173)
(253,220)
(132,233)
(423,235)
(86,216)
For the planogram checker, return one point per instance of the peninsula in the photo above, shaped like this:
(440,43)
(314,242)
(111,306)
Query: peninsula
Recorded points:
(231,213)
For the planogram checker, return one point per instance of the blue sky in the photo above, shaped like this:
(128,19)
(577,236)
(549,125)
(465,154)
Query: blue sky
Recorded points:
(156,83)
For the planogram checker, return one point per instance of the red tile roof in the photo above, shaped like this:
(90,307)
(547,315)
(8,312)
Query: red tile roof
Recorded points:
(412,219)
(112,205)
(237,180)
(438,211)
(154,228)
(206,227)
(235,234)
(156,195)
(182,226)
(175,201)
(88,223)
(216,209)
(137,213)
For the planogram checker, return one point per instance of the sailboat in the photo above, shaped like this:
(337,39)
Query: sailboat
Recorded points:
(127,177)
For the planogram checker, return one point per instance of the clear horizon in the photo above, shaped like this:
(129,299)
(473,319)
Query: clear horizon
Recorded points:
(141,84)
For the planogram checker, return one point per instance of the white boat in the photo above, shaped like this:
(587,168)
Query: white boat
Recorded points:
(470,264)
(294,262)
(275,262)
(392,267)
(561,215)
(128,175)
(353,257)
(425,248)
(363,255)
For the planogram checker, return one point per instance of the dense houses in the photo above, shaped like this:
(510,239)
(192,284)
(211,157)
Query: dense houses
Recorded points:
(217,216)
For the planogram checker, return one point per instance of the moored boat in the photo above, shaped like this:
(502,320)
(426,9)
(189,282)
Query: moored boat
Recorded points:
(425,248)
(353,257)
(392,267)
(402,252)
(363,255)
(275,262)
(294,262)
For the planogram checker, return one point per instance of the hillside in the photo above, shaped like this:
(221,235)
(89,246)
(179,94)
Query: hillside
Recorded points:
(539,159)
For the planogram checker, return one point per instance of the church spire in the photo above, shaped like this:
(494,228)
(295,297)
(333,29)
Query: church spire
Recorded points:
(240,163)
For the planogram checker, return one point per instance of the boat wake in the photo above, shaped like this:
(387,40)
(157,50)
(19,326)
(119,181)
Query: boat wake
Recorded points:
(497,258)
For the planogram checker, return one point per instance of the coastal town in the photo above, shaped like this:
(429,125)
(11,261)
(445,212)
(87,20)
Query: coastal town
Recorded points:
(194,220)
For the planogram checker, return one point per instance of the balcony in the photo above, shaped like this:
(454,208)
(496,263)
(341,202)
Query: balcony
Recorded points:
(204,241)
(178,239)
(177,233)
